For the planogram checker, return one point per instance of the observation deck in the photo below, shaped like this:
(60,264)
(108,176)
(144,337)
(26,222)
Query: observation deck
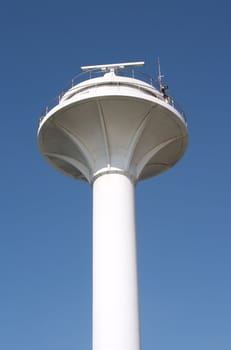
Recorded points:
(112,120)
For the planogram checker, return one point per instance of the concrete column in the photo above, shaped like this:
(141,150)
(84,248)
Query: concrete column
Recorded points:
(115,285)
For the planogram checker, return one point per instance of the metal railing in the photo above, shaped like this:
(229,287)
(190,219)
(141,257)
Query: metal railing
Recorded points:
(130,73)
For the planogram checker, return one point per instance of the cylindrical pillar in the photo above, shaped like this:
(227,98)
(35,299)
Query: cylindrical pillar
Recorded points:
(115,285)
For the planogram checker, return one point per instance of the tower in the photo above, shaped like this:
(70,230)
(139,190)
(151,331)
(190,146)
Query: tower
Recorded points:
(112,130)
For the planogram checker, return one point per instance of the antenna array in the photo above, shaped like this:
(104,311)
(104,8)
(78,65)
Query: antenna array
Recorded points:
(114,66)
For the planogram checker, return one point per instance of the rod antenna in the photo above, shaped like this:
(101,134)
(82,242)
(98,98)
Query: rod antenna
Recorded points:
(163,87)
(160,76)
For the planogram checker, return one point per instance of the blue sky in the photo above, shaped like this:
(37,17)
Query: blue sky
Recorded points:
(183,216)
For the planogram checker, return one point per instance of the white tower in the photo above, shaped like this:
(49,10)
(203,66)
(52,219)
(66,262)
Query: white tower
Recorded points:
(112,131)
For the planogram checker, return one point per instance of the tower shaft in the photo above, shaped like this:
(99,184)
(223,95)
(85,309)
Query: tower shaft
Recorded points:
(115,287)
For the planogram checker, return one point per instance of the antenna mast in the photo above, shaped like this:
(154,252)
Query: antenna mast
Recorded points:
(163,87)
(160,76)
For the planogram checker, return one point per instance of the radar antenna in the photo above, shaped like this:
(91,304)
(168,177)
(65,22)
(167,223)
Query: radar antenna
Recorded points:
(112,67)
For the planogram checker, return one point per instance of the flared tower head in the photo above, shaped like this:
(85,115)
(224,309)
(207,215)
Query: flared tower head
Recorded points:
(113,122)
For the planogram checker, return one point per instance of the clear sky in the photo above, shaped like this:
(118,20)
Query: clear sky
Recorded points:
(183,216)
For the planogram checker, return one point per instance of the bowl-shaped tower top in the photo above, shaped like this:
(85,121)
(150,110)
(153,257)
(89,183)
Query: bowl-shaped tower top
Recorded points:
(113,123)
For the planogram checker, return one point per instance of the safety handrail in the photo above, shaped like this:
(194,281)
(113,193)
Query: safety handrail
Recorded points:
(94,73)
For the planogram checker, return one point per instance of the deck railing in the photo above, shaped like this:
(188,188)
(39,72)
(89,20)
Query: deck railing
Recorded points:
(131,73)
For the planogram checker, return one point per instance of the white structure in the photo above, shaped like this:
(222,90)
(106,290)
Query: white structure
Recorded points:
(112,131)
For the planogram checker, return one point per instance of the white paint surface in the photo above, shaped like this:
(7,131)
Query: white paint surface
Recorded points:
(115,287)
